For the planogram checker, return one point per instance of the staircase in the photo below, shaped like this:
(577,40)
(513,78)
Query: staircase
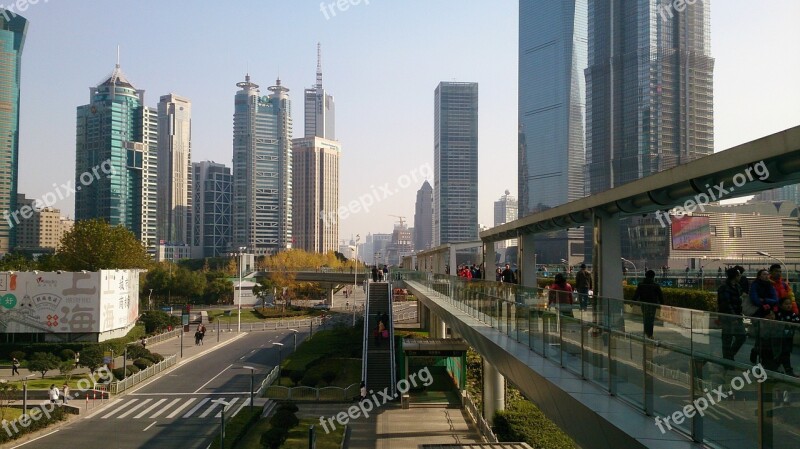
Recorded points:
(378,359)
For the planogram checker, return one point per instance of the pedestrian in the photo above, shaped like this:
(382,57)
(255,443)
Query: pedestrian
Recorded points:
(374,274)
(65,395)
(782,287)
(54,394)
(202,330)
(729,305)
(363,391)
(197,337)
(649,293)
(763,298)
(561,295)
(144,342)
(14,366)
(583,283)
(787,315)
(508,275)
(379,333)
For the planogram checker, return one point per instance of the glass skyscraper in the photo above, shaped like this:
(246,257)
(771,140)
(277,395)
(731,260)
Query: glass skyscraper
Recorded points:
(552,60)
(262,169)
(12,39)
(320,109)
(212,189)
(423,218)
(455,155)
(116,131)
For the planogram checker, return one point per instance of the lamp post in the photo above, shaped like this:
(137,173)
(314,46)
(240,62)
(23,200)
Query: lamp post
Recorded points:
(239,309)
(766,254)
(280,359)
(222,428)
(355,270)
(25,393)
(252,374)
(633,264)
(295,338)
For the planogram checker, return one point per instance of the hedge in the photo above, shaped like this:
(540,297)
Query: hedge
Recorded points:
(56,415)
(117,344)
(525,422)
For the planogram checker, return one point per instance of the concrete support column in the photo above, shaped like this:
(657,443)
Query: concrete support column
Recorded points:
(442,329)
(489,256)
(494,389)
(527,261)
(453,266)
(607,271)
(433,325)
(330,297)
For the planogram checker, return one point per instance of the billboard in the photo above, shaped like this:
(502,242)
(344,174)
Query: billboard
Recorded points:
(36,302)
(691,234)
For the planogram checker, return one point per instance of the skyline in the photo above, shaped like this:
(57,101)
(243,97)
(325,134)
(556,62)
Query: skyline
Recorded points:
(381,76)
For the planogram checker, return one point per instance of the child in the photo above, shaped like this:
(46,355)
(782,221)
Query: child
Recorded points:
(786,314)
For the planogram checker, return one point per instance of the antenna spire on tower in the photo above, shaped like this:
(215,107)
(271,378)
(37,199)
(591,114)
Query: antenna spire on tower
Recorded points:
(319,65)
(117,56)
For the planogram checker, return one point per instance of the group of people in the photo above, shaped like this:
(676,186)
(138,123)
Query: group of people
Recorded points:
(505,275)
(56,394)
(199,334)
(380,273)
(381,328)
(470,272)
(770,298)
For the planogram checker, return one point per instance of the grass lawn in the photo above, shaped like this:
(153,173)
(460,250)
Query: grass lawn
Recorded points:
(298,436)
(11,414)
(37,383)
(236,427)
(334,343)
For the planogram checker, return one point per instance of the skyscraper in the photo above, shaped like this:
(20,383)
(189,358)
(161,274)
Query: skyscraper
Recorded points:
(505,210)
(116,158)
(650,96)
(262,169)
(174,169)
(552,60)
(320,109)
(423,218)
(315,186)
(212,191)
(455,154)
(12,40)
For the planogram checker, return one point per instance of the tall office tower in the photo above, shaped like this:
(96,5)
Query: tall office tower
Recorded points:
(262,169)
(212,192)
(315,189)
(455,155)
(552,60)
(174,169)
(116,158)
(505,210)
(12,39)
(649,93)
(320,109)
(423,218)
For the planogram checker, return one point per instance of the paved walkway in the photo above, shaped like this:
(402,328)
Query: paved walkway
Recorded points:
(392,427)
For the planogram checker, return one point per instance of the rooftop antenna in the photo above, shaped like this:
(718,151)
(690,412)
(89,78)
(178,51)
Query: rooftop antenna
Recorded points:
(319,65)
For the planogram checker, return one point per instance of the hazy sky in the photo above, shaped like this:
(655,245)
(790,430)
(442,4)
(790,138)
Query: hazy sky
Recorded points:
(382,62)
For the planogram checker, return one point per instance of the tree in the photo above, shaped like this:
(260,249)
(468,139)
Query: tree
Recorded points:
(66,368)
(7,393)
(43,362)
(94,245)
(218,289)
(264,288)
(92,357)
(155,320)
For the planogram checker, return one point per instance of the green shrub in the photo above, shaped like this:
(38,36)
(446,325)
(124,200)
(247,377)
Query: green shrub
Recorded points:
(142,363)
(56,415)
(284,419)
(273,438)
(328,377)
(291,407)
(137,352)
(118,373)
(525,422)
(154,357)
(67,354)
(42,362)
(310,380)
(132,369)
(296,376)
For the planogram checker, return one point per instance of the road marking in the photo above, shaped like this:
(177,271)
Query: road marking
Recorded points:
(180,409)
(246,402)
(220,373)
(214,405)
(151,425)
(194,409)
(165,408)
(119,409)
(149,409)
(34,439)
(219,413)
(141,404)
(190,394)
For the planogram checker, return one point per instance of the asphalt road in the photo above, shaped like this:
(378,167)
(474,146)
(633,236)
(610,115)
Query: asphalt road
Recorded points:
(181,409)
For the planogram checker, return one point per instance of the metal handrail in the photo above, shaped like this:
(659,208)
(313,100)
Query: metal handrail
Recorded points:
(366,336)
(392,361)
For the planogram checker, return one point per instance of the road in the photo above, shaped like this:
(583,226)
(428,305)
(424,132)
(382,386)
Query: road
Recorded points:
(182,408)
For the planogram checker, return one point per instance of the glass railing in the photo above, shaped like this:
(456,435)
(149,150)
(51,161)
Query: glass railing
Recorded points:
(681,376)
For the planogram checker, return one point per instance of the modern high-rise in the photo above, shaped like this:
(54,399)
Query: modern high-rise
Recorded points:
(650,96)
(455,155)
(506,209)
(212,192)
(551,101)
(174,169)
(315,187)
(12,40)
(423,218)
(116,158)
(262,169)
(320,109)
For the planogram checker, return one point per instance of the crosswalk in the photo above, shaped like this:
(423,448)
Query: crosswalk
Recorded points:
(178,408)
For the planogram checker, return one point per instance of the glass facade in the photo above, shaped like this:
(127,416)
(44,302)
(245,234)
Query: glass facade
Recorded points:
(455,190)
(12,40)
(423,218)
(552,60)
(117,132)
(211,209)
(262,169)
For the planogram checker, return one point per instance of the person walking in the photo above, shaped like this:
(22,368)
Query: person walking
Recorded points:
(583,283)
(65,394)
(729,305)
(782,288)
(763,298)
(561,295)
(54,394)
(363,391)
(14,366)
(649,293)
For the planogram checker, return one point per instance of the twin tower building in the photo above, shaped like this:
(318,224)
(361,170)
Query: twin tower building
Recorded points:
(273,199)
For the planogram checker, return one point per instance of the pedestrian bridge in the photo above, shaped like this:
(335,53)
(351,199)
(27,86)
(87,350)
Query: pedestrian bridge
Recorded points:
(597,377)
(330,277)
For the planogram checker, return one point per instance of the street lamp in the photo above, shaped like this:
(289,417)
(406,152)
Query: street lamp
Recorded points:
(222,428)
(241,266)
(766,254)
(295,338)
(252,374)
(635,270)
(280,359)
(355,270)
(25,393)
